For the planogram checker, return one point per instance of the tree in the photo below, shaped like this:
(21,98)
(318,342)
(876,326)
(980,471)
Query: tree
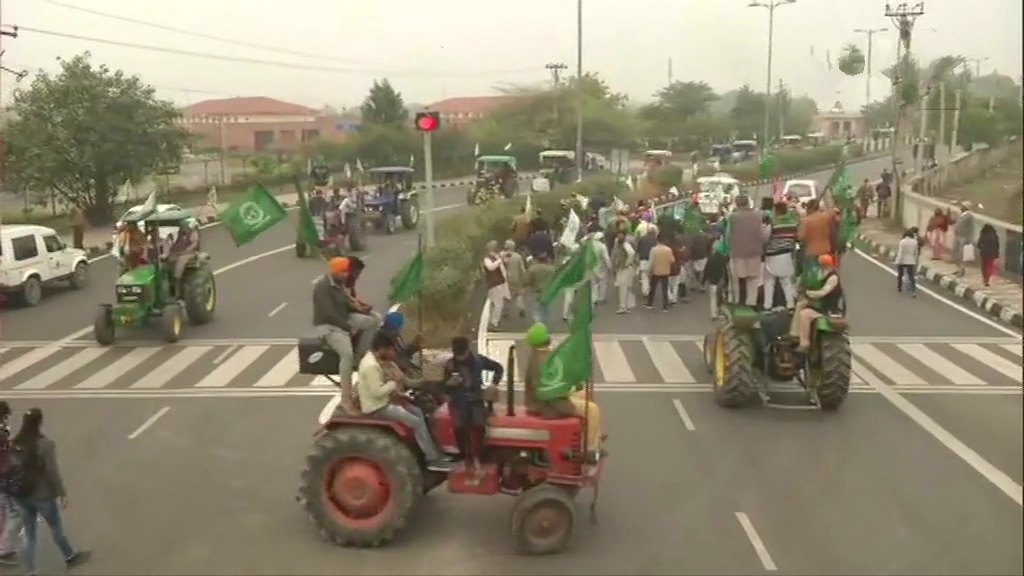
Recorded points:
(747,112)
(674,105)
(86,131)
(384,105)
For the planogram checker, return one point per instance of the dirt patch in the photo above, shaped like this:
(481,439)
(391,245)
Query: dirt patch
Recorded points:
(998,191)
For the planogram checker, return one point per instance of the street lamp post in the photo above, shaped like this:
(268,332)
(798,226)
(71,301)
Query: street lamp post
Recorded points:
(871,43)
(771,5)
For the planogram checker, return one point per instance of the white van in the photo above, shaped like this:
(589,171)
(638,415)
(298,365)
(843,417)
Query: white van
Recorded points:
(33,256)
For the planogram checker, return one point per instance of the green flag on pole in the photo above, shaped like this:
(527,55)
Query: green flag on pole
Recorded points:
(570,274)
(252,214)
(766,166)
(307,233)
(408,281)
(568,366)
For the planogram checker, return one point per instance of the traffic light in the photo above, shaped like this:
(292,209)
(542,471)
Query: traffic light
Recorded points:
(428,121)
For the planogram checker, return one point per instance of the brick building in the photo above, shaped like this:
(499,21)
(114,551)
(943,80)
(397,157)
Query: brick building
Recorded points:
(464,110)
(248,124)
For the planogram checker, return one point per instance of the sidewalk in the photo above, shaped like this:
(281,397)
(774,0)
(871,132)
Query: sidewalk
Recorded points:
(1001,300)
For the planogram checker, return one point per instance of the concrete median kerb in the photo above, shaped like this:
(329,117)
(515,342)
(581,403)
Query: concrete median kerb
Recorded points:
(954,285)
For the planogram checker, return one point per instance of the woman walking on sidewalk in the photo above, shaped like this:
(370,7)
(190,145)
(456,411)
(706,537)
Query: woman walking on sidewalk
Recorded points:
(988,249)
(938,225)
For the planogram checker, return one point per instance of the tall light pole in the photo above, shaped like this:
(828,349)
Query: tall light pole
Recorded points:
(871,37)
(771,5)
(579,89)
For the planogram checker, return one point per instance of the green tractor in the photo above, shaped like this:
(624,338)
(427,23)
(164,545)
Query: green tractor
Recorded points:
(751,349)
(151,291)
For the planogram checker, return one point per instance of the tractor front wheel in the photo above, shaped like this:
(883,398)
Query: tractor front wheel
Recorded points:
(199,295)
(103,328)
(734,375)
(709,351)
(359,486)
(171,322)
(542,520)
(831,369)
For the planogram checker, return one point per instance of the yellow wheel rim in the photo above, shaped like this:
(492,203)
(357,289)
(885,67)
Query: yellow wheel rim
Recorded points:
(211,298)
(720,359)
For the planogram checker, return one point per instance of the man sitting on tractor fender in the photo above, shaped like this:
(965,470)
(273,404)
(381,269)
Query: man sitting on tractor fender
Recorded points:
(817,302)
(184,245)
(337,318)
(464,376)
(376,398)
(557,405)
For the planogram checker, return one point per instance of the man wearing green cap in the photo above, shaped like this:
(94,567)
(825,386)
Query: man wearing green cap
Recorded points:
(562,406)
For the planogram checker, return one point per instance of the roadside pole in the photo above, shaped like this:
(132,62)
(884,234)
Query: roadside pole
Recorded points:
(428,180)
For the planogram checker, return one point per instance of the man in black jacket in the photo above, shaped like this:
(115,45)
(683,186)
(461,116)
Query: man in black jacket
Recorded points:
(12,525)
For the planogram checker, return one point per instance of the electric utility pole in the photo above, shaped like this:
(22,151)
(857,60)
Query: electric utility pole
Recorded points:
(903,16)
(782,108)
(556,69)
(770,5)
(671,77)
(870,32)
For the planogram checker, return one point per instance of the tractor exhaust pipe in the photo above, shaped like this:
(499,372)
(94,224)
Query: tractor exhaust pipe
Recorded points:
(510,379)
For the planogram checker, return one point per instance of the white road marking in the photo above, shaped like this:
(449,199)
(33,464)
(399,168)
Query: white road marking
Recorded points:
(941,365)
(683,415)
(886,365)
(171,367)
(991,359)
(276,310)
(149,423)
(980,318)
(119,367)
(1012,348)
(230,368)
(220,357)
(997,477)
(759,548)
(285,369)
(55,373)
(668,362)
(611,360)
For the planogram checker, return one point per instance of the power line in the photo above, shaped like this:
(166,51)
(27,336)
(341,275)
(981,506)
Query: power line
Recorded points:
(194,34)
(259,62)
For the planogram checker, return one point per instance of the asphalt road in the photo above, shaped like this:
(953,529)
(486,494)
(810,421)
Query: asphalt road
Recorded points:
(253,282)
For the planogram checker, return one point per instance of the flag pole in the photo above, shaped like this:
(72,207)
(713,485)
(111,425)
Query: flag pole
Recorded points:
(419,300)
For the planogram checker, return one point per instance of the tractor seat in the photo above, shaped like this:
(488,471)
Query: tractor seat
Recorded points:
(315,358)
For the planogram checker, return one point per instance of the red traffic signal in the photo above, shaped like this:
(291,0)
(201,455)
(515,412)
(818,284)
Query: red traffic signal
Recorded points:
(428,121)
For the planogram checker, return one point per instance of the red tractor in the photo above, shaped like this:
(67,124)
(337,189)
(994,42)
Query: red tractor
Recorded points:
(363,476)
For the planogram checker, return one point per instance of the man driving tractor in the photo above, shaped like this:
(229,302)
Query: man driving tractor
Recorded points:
(818,302)
(337,316)
(552,404)
(186,243)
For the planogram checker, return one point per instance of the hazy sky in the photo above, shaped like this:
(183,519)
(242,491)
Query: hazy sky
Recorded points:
(451,48)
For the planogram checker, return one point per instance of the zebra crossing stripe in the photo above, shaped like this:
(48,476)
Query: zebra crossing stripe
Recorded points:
(937,362)
(285,369)
(997,362)
(111,372)
(171,368)
(668,363)
(229,368)
(53,374)
(886,365)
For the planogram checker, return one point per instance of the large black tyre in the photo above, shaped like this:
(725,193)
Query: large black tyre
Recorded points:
(735,379)
(350,455)
(708,350)
(410,212)
(171,321)
(543,518)
(199,293)
(834,359)
(103,328)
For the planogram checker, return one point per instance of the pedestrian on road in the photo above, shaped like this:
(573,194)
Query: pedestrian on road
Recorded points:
(963,238)
(988,250)
(77,217)
(662,260)
(647,239)
(496,278)
(938,226)
(907,256)
(747,237)
(864,196)
(516,269)
(604,268)
(10,535)
(677,276)
(883,192)
(47,495)
(624,267)
(540,272)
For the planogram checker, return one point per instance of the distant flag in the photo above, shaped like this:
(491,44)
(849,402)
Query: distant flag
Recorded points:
(528,209)
(330,181)
(359,165)
(476,150)
(507,147)
(309,166)
(828,58)
(150,204)
(618,205)
(348,171)
(211,196)
(412,160)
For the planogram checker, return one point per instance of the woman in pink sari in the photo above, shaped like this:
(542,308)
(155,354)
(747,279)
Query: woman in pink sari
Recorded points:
(938,225)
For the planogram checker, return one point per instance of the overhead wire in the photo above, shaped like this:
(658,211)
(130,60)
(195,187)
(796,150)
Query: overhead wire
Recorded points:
(375,67)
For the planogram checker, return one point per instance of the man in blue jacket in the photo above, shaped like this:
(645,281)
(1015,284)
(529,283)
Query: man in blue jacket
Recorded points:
(464,377)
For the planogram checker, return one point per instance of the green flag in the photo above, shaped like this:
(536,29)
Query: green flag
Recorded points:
(767,165)
(570,274)
(840,184)
(252,214)
(307,233)
(568,366)
(408,281)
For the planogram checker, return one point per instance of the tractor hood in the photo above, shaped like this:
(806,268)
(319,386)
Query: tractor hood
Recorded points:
(139,276)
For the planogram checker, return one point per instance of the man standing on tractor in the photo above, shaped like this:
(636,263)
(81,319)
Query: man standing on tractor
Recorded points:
(464,377)
(550,404)
(337,317)
(826,299)
(747,236)
(376,398)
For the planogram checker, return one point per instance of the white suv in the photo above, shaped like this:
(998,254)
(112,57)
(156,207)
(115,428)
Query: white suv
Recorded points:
(33,256)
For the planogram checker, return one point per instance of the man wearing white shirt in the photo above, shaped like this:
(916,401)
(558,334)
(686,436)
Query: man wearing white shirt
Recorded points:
(604,267)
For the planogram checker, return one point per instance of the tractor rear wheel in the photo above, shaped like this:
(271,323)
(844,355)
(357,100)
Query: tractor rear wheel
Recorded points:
(734,375)
(542,520)
(359,486)
(199,294)
(831,369)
